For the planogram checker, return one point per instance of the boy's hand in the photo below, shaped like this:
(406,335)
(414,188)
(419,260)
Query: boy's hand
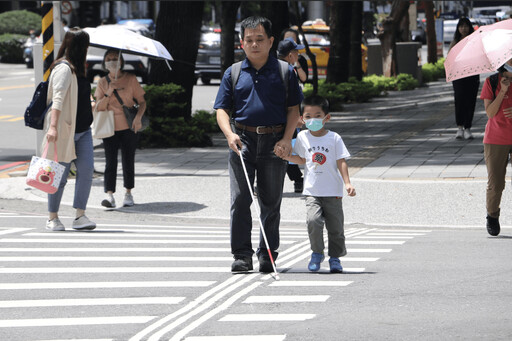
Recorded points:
(350,190)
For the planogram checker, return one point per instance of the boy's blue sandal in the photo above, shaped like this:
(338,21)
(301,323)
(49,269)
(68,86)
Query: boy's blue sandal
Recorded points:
(314,263)
(334,264)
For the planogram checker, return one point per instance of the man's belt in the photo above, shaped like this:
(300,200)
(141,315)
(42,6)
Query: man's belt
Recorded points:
(261,129)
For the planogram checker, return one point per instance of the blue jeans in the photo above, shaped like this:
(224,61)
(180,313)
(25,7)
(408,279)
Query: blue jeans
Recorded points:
(84,170)
(260,161)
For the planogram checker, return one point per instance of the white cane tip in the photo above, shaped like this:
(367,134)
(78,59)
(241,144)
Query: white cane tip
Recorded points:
(277,277)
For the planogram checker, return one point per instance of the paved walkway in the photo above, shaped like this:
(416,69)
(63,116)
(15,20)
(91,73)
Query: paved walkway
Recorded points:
(407,167)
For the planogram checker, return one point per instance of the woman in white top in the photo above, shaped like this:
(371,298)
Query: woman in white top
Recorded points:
(68,126)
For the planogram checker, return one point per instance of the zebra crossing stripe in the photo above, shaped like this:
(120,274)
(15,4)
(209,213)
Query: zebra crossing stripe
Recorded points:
(237,338)
(125,241)
(201,258)
(310,283)
(114,249)
(90,302)
(266,317)
(286,299)
(97,285)
(383,237)
(9,230)
(374,242)
(98,270)
(75,321)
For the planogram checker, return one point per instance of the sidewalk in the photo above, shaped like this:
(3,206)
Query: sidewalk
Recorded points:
(407,167)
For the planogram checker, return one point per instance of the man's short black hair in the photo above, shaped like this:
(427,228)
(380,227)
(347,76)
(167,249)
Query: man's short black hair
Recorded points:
(317,101)
(254,22)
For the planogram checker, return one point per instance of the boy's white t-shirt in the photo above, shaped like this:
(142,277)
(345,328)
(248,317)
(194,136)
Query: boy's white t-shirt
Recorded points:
(321,177)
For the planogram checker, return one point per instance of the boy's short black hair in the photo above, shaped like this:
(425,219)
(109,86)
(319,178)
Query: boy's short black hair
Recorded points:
(317,101)
(253,22)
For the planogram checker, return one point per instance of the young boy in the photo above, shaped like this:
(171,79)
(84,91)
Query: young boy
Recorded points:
(323,153)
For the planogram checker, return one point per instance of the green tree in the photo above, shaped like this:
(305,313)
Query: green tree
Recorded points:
(227,26)
(178,28)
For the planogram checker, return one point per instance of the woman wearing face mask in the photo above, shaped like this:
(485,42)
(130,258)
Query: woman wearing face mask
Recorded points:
(464,89)
(125,137)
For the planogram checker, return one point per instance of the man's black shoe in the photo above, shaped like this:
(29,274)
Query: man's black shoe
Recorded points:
(242,264)
(265,264)
(493,226)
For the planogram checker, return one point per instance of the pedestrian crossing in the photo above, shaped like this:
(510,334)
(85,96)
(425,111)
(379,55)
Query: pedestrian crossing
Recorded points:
(152,282)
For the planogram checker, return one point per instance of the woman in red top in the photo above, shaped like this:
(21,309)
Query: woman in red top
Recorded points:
(497,141)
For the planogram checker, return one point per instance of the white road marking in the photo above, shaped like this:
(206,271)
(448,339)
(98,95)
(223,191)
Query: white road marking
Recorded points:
(90,302)
(77,321)
(79,270)
(266,317)
(368,250)
(97,285)
(117,241)
(9,230)
(286,299)
(200,258)
(237,338)
(402,230)
(398,234)
(382,237)
(373,242)
(359,259)
(115,249)
(310,283)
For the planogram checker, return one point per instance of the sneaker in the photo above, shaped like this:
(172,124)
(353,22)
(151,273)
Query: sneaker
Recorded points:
(128,200)
(242,264)
(110,202)
(55,225)
(316,259)
(467,134)
(334,264)
(265,264)
(298,186)
(493,226)
(83,223)
(460,134)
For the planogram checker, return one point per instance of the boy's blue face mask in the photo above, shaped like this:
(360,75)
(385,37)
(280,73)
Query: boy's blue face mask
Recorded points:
(314,124)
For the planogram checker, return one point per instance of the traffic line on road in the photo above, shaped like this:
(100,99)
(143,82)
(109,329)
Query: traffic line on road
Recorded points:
(266,317)
(397,234)
(383,237)
(201,258)
(15,119)
(98,285)
(368,250)
(90,302)
(286,299)
(374,242)
(237,338)
(9,230)
(117,241)
(113,249)
(102,234)
(310,283)
(79,270)
(75,321)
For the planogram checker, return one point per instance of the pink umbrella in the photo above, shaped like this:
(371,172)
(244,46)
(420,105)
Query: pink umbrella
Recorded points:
(484,50)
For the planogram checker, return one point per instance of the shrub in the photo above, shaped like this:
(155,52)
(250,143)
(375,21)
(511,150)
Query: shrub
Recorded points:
(11,47)
(168,127)
(405,81)
(20,22)
(432,72)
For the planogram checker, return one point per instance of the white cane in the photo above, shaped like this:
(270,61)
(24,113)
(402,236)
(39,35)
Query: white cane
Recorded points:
(276,276)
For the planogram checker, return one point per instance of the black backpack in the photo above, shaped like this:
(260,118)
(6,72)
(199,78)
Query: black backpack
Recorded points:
(37,109)
(283,72)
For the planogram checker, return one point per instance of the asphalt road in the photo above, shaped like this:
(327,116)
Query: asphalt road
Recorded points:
(155,279)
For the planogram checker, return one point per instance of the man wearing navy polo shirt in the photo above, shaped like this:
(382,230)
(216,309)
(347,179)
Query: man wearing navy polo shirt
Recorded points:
(264,120)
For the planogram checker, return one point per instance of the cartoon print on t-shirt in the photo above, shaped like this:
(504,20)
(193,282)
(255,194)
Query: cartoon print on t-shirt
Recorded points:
(318,159)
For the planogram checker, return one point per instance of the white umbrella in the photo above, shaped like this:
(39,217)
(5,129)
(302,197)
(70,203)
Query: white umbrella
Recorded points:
(112,36)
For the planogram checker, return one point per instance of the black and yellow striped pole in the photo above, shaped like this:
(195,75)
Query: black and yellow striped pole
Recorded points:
(48,43)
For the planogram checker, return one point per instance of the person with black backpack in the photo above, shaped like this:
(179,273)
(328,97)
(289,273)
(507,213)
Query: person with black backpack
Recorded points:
(262,95)
(68,125)
(497,96)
